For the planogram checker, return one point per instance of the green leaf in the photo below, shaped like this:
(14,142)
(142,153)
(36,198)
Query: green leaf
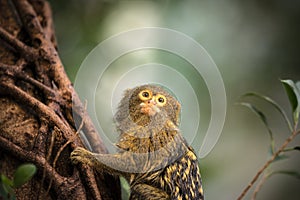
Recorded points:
(298,86)
(256,111)
(280,157)
(3,193)
(273,103)
(287,172)
(294,97)
(6,190)
(23,174)
(6,181)
(263,118)
(296,148)
(272,148)
(125,188)
(290,87)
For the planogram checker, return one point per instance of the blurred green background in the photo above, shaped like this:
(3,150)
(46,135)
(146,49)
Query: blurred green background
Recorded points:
(254,44)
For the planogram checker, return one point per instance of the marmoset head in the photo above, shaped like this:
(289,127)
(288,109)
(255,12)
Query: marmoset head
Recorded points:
(147,104)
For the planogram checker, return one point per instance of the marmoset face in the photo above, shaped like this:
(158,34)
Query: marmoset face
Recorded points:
(146,103)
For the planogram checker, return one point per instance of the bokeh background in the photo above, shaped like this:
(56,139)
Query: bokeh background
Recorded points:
(254,44)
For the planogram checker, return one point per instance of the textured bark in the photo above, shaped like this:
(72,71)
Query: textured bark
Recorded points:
(38,106)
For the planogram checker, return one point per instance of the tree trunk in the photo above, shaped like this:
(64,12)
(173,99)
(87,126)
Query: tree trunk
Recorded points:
(38,106)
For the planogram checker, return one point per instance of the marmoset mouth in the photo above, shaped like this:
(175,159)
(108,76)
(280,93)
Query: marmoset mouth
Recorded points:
(149,108)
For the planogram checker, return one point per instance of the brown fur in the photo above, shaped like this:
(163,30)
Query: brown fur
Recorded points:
(154,157)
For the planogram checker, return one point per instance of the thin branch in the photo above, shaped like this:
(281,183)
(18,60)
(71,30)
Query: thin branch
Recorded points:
(29,53)
(90,179)
(67,143)
(48,22)
(60,151)
(266,165)
(30,156)
(63,147)
(30,21)
(259,186)
(75,187)
(88,173)
(33,27)
(53,135)
(89,129)
(40,109)
(40,145)
(15,71)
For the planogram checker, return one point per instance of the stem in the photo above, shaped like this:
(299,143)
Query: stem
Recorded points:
(259,186)
(261,170)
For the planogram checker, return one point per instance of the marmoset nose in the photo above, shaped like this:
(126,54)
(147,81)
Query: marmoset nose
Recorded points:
(152,101)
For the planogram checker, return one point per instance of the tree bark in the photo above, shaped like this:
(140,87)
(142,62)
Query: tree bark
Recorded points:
(38,106)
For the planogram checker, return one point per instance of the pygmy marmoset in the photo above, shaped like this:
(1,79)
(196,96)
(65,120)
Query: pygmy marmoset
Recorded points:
(153,156)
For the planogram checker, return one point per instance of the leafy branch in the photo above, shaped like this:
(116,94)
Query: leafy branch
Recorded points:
(293,92)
